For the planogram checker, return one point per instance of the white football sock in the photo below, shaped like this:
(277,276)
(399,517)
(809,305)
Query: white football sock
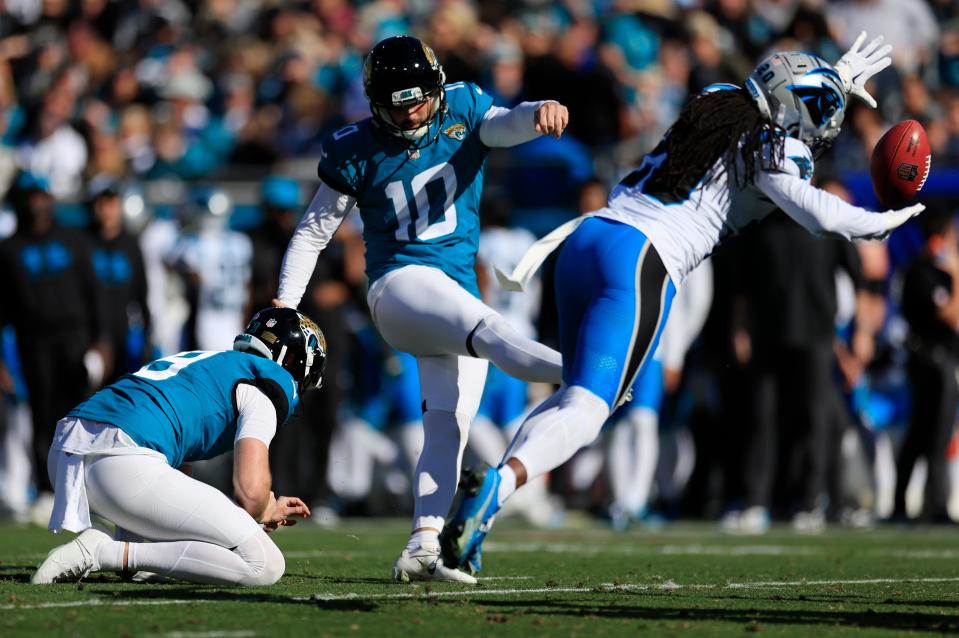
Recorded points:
(110,556)
(619,463)
(553,435)
(642,448)
(507,483)
(438,470)
(494,339)
(255,561)
(423,538)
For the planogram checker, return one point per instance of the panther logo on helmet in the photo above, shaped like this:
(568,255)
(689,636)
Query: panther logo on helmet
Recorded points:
(803,94)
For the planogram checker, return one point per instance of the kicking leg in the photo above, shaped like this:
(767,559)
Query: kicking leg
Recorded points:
(422,311)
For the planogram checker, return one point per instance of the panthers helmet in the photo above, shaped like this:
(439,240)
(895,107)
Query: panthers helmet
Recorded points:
(289,338)
(402,71)
(802,93)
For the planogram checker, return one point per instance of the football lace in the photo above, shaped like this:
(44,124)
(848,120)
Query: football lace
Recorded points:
(925,174)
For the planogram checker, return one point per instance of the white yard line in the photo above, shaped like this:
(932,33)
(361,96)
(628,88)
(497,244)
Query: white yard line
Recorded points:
(447,594)
(489,578)
(667,585)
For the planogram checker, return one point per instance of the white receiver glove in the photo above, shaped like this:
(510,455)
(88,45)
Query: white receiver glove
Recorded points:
(857,65)
(896,218)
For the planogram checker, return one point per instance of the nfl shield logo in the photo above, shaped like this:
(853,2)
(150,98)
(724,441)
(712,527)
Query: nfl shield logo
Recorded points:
(907,172)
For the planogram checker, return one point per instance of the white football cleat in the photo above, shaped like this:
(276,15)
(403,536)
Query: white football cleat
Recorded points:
(71,561)
(424,563)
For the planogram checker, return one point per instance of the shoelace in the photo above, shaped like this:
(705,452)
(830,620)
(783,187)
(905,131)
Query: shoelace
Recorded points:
(81,570)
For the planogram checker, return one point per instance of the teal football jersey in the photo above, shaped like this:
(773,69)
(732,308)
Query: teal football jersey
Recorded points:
(418,206)
(182,406)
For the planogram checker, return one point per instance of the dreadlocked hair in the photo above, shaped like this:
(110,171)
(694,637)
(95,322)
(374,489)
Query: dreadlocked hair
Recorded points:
(714,126)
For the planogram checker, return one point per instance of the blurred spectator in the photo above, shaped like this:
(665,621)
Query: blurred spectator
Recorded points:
(930,303)
(281,206)
(791,297)
(118,265)
(51,147)
(909,25)
(50,295)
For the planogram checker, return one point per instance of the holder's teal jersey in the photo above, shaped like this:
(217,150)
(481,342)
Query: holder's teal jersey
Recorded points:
(183,406)
(418,206)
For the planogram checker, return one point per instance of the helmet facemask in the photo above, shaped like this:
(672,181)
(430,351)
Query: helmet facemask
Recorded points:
(402,72)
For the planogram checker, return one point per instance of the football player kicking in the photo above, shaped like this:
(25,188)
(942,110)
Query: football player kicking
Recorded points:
(115,455)
(733,156)
(415,171)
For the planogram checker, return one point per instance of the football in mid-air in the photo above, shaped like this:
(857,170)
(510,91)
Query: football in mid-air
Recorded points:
(900,163)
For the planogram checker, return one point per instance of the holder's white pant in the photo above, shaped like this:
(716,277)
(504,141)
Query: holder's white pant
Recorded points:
(199,533)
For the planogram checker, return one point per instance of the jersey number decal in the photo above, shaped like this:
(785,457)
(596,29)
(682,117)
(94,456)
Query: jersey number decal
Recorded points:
(424,230)
(169,366)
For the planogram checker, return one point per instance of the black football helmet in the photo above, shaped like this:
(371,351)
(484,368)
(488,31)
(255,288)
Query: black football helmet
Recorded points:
(291,339)
(400,72)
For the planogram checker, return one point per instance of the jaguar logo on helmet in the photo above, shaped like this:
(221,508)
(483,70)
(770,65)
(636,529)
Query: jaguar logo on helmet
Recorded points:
(430,56)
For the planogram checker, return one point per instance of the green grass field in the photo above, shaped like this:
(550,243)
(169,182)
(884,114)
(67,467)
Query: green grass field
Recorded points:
(684,580)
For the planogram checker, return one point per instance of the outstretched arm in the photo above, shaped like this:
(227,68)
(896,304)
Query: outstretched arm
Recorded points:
(526,121)
(824,213)
(325,214)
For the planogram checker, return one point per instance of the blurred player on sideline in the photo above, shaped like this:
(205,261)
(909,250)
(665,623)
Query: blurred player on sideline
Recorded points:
(415,171)
(733,156)
(115,455)
(216,263)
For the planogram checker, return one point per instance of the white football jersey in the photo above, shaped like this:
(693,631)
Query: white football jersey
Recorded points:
(503,248)
(686,232)
(222,260)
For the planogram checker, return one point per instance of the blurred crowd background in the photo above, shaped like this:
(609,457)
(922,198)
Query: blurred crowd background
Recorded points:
(156,155)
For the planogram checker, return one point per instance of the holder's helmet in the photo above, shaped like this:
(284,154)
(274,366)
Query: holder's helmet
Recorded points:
(289,338)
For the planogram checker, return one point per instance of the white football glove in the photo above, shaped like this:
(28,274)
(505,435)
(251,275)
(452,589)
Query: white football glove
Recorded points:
(896,218)
(857,65)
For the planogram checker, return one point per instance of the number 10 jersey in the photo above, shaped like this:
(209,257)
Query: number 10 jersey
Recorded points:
(418,205)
